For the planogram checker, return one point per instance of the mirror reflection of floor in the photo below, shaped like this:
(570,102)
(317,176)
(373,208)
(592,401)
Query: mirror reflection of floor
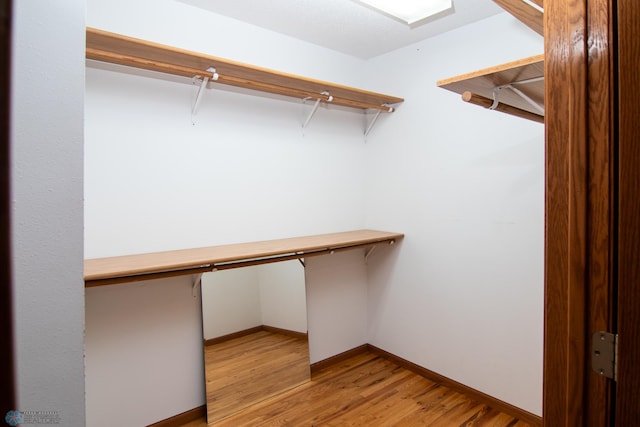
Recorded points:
(244,371)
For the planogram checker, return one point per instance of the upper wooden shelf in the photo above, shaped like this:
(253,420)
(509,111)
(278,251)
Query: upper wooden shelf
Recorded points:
(130,268)
(515,88)
(118,49)
(478,87)
(526,12)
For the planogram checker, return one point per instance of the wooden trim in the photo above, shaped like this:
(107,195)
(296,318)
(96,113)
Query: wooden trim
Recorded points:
(317,366)
(249,331)
(507,408)
(627,410)
(565,213)
(7,384)
(199,413)
(287,332)
(578,207)
(498,404)
(233,335)
(601,210)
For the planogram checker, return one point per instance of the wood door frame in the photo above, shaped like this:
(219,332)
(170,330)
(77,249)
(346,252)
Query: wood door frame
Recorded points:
(7,387)
(576,240)
(627,411)
(579,207)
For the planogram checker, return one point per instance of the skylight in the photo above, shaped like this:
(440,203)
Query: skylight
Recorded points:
(409,11)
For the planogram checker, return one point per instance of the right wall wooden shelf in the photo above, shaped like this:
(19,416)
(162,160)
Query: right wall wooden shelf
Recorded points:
(515,88)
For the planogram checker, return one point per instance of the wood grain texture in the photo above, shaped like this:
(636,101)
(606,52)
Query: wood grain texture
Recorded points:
(566,204)
(185,418)
(482,82)
(481,101)
(369,390)
(469,392)
(628,385)
(244,371)
(190,261)
(123,50)
(601,199)
(528,15)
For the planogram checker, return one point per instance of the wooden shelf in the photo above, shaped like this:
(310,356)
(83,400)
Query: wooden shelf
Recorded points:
(131,268)
(527,14)
(482,83)
(519,99)
(118,49)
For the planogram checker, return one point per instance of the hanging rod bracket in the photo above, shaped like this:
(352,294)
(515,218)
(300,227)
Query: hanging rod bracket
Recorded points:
(315,107)
(203,85)
(512,86)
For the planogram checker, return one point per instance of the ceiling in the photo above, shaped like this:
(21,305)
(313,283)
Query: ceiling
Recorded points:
(345,25)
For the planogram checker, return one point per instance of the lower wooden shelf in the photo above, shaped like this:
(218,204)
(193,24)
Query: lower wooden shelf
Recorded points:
(131,268)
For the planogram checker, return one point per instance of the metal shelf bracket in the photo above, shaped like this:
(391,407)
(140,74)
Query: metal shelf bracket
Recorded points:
(368,253)
(197,281)
(315,108)
(514,89)
(375,118)
(203,86)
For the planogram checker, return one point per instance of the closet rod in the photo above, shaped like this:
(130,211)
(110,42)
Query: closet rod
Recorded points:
(205,268)
(505,108)
(132,61)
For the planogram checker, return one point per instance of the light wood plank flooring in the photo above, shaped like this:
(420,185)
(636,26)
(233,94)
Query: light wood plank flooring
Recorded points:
(244,371)
(368,390)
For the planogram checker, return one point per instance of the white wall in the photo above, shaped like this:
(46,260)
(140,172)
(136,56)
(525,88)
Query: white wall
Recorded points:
(46,185)
(143,342)
(463,293)
(283,298)
(242,298)
(230,301)
(251,172)
(241,170)
(336,303)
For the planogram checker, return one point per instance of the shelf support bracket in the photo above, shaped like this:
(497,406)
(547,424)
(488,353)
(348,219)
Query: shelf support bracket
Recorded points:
(203,85)
(375,118)
(521,94)
(368,253)
(373,122)
(315,108)
(197,280)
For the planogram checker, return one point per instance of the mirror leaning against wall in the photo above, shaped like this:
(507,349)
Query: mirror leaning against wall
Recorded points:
(255,335)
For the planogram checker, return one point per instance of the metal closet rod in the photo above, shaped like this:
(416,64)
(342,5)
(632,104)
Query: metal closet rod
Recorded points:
(180,70)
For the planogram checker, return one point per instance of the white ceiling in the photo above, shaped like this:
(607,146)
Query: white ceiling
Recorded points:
(345,25)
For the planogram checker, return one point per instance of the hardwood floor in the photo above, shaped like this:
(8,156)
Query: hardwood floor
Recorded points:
(368,390)
(249,369)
